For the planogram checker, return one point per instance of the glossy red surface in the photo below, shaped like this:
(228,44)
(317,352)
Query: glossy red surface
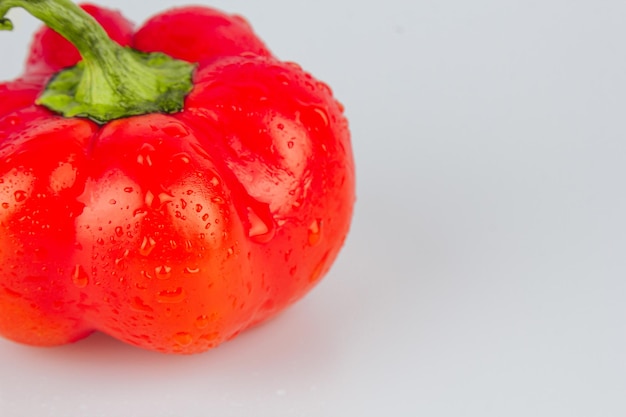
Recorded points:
(170,232)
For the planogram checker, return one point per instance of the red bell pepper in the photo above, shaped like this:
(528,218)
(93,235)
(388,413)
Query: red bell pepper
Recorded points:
(169,187)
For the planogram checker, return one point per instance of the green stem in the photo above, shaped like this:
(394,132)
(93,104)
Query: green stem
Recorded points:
(111,81)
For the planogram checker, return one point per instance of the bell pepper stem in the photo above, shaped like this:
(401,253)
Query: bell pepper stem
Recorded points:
(111,81)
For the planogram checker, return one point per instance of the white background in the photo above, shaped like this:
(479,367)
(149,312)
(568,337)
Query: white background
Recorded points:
(485,270)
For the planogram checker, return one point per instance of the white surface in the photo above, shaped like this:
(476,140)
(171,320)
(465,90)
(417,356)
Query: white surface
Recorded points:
(485,271)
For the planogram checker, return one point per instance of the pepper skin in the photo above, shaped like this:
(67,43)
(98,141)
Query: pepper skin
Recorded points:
(171,232)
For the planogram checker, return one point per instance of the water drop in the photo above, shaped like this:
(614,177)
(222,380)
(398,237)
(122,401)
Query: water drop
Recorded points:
(149,198)
(259,231)
(119,260)
(144,157)
(5,205)
(211,338)
(156,201)
(128,189)
(171,296)
(198,208)
(325,87)
(119,232)
(163,198)
(163,272)
(322,115)
(147,245)
(230,252)
(175,130)
(189,270)
(112,201)
(283,79)
(181,158)
(139,212)
(315,232)
(19,196)
(183,338)
(318,270)
(202,321)
(80,277)
(12,120)
(139,305)
(294,65)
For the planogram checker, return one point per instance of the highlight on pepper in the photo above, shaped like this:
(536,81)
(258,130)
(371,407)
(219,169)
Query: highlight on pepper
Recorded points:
(170,185)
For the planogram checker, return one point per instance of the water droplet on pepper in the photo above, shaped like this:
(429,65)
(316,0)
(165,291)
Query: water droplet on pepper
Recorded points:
(315,232)
(19,196)
(80,277)
(147,245)
(318,270)
(202,321)
(175,130)
(259,230)
(139,305)
(163,272)
(211,338)
(180,159)
(183,338)
(171,296)
(144,157)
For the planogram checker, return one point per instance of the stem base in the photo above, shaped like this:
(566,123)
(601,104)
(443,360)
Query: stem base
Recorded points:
(152,83)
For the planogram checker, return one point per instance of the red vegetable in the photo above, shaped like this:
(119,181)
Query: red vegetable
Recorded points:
(170,201)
